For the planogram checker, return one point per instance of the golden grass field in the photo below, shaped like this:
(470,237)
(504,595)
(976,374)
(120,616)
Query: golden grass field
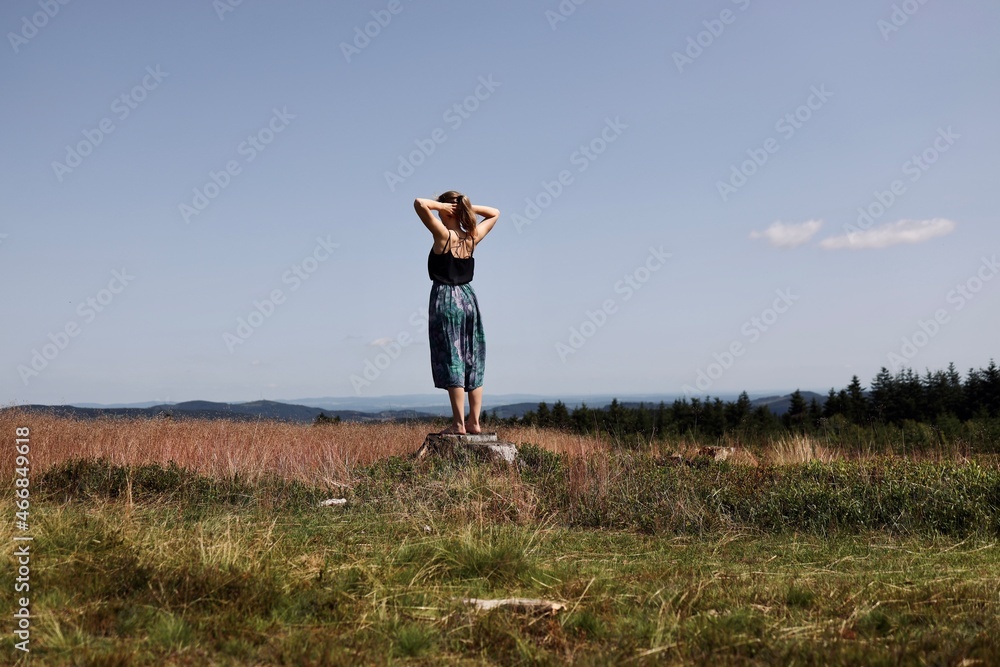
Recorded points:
(311,454)
(303,452)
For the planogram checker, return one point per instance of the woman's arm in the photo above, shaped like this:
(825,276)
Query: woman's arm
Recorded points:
(433,204)
(485,211)
(490,216)
(423,208)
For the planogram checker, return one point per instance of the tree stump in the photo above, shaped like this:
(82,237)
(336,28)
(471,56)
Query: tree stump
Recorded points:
(482,446)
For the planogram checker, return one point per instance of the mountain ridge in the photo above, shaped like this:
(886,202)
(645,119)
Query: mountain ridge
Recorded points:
(299,413)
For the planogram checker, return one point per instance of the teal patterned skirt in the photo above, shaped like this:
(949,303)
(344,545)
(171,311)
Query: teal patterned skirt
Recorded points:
(455,330)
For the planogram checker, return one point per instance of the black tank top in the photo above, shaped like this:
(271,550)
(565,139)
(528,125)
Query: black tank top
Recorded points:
(448,269)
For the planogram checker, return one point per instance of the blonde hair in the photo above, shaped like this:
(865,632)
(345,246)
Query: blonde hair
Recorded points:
(463,211)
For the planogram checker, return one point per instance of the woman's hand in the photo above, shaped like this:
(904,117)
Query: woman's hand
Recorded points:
(435,205)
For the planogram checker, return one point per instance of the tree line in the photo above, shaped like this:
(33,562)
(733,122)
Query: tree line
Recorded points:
(939,401)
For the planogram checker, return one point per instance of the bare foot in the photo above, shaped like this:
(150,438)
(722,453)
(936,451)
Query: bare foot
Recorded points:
(474,430)
(452,430)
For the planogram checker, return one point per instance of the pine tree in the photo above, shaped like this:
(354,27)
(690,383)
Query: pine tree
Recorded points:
(911,395)
(644,422)
(815,414)
(615,415)
(796,411)
(938,396)
(560,416)
(696,412)
(544,417)
(683,416)
(955,399)
(991,389)
(857,404)
(738,411)
(661,421)
(714,417)
(883,393)
(832,405)
(582,419)
(975,394)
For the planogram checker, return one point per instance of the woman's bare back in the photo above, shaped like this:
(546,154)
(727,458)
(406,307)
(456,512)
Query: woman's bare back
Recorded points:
(461,246)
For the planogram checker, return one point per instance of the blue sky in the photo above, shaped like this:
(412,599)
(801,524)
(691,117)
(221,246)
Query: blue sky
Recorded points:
(679,186)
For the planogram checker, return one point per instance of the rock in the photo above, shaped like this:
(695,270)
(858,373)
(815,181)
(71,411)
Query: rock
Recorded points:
(332,501)
(521,604)
(735,455)
(483,446)
(717,453)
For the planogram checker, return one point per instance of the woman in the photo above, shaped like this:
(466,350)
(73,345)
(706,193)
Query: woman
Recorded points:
(458,347)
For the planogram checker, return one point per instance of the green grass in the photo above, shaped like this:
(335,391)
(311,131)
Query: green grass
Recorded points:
(700,570)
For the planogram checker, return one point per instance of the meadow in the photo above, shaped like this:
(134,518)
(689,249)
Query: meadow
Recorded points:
(172,542)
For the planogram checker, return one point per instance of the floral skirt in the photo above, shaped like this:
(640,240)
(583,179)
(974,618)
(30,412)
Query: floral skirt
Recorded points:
(455,330)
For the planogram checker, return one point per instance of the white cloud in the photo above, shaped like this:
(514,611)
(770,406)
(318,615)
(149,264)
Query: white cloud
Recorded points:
(892,233)
(788,234)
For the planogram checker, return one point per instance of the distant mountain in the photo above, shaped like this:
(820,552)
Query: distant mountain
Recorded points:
(150,412)
(144,404)
(299,413)
(779,405)
(438,403)
(513,409)
(254,410)
(435,404)
(370,403)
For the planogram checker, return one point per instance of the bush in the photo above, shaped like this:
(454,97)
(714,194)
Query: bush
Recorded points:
(616,490)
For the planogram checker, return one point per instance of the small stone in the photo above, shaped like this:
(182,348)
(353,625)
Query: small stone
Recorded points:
(717,453)
(520,604)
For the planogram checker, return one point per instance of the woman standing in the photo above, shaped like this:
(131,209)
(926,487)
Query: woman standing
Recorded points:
(455,329)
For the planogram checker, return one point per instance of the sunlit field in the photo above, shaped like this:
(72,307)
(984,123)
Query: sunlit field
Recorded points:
(324,453)
(174,542)
(311,454)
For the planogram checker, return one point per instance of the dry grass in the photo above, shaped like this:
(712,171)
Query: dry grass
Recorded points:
(312,454)
(757,578)
(798,449)
(326,454)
